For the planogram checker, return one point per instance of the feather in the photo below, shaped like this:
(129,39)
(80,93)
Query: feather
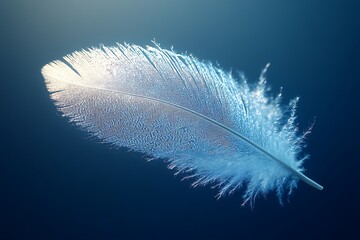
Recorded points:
(208,125)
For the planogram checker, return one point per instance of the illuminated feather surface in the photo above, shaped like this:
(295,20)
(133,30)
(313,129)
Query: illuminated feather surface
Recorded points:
(214,128)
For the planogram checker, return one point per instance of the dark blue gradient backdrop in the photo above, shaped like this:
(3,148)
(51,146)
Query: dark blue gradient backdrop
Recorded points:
(57,183)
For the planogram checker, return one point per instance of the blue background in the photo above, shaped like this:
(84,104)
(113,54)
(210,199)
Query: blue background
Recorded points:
(56,183)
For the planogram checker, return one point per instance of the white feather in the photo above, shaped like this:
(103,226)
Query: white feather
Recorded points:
(192,113)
